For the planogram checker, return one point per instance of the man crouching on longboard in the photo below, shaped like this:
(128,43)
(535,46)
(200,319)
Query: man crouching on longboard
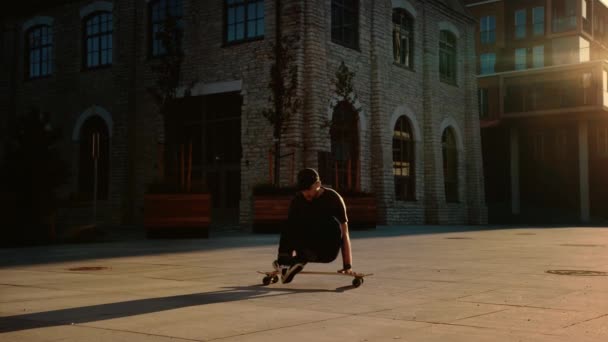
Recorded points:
(316,229)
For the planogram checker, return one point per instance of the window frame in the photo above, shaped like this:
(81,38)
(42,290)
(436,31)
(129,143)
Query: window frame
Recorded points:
(535,56)
(536,24)
(246,20)
(98,36)
(448,44)
(518,26)
(487,30)
(339,7)
(483,70)
(404,146)
(179,30)
(405,59)
(49,45)
(525,59)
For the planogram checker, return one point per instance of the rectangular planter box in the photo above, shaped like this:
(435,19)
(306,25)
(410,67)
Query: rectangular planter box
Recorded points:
(361,211)
(270,212)
(177,215)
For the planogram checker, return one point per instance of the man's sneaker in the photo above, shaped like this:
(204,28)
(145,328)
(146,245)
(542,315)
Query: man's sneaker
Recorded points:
(288,274)
(277,267)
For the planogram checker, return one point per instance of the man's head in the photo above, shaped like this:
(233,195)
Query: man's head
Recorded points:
(309,183)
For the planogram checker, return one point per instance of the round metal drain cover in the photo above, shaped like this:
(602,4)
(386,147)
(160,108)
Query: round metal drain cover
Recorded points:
(88,268)
(581,273)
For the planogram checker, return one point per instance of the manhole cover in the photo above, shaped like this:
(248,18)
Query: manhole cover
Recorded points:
(582,273)
(88,268)
(580,245)
(459,238)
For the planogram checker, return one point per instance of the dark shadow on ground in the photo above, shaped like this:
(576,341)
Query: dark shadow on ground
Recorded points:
(93,313)
(11,257)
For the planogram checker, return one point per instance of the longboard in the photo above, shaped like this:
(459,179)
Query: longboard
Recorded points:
(273,276)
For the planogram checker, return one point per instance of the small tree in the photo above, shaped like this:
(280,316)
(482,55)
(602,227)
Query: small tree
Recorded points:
(284,86)
(164,92)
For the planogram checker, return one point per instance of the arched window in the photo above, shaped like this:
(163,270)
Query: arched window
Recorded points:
(403,37)
(39,51)
(403,160)
(98,40)
(450,165)
(345,147)
(165,12)
(447,56)
(94,145)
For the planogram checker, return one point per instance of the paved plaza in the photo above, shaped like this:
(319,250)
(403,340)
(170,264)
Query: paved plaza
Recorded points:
(430,283)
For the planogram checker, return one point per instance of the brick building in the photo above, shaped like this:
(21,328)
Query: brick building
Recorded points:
(407,129)
(543,96)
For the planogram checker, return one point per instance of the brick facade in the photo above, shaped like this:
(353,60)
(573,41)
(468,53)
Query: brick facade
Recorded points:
(383,91)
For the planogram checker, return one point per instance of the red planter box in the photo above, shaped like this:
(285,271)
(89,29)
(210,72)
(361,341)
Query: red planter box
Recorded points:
(177,215)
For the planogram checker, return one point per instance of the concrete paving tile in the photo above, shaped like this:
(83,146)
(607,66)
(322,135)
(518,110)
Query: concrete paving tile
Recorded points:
(11,294)
(529,319)
(214,321)
(349,328)
(456,333)
(515,296)
(78,333)
(579,301)
(438,311)
(594,328)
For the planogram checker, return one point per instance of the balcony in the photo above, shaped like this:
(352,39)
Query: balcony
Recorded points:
(552,90)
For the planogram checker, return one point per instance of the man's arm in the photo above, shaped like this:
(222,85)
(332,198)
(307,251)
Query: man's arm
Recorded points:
(347,257)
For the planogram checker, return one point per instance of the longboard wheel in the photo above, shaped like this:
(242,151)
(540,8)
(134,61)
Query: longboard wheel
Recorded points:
(266,280)
(275,279)
(357,282)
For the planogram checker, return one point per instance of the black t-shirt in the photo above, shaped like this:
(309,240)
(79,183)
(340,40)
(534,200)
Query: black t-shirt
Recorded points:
(329,204)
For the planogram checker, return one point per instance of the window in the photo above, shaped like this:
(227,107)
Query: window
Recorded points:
(345,23)
(488,29)
(344,133)
(403,38)
(538,56)
(564,15)
(98,40)
(484,109)
(450,165)
(520,24)
(244,20)
(488,61)
(165,15)
(39,51)
(447,56)
(538,20)
(520,59)
(403,160)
